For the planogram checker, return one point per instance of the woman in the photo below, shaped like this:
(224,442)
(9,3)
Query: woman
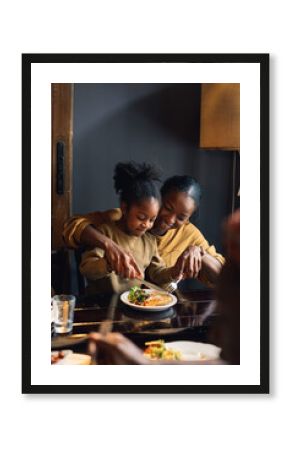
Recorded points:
(177,238)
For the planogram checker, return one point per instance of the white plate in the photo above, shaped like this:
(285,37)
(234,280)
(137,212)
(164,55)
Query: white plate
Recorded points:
(71,358)
(75,359)
(195,351)
(124,298)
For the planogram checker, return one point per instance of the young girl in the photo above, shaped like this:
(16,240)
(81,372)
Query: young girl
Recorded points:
(140,203)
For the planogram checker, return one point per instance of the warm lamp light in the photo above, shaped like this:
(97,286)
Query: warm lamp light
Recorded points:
(220,116)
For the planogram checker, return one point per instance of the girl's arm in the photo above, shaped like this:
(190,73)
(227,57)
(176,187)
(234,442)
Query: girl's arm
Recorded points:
(94,265)
(158,273)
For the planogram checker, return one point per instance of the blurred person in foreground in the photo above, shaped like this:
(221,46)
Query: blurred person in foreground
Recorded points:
(226,334)
(114,348)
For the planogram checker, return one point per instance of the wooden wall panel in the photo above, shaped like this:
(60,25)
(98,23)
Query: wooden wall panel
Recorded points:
(62,132)
(220,116)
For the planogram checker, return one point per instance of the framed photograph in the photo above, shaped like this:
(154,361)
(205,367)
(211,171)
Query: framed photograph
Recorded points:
(196,118)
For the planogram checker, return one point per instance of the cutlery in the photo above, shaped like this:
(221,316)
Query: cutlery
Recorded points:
(105,328)
(107,324)
(150,285)
(66,341)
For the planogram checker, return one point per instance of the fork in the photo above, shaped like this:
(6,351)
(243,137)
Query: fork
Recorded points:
(170,288)
(173,288)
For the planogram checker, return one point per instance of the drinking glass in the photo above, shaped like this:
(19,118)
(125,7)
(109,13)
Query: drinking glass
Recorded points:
(63,306)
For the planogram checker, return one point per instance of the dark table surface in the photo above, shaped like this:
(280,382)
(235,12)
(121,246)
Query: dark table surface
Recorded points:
(189,319)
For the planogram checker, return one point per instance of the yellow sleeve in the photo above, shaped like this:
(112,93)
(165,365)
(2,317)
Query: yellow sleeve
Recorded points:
(157,272)
(75,225)
(197,238)
(94,264)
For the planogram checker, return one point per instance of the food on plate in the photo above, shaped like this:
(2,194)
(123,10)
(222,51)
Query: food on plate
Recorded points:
(158,350)
(141,297)
(57,356)
(181,350)
(77,359)
(68,357)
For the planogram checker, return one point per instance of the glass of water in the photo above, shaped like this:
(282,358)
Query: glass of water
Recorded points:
(63,306)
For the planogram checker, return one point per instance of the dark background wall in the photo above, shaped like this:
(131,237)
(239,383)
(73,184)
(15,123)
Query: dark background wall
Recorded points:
(157,123)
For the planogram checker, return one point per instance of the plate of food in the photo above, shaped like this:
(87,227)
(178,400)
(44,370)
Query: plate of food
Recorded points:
(181,351)
(68,357)
(148,299)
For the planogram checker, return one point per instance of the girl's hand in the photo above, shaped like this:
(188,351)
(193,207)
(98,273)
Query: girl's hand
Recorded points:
(120,261)
(189,263)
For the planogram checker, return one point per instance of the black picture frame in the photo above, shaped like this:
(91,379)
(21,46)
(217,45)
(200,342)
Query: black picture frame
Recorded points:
(263,61)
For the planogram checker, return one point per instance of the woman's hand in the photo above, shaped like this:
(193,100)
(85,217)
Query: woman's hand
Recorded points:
(114,348)
(189,263)
(120,261)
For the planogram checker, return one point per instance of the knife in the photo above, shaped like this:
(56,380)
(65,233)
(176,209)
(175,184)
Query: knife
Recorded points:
(174,289)
(149,284)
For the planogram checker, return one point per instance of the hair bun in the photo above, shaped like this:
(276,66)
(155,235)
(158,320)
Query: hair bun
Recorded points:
(129,173)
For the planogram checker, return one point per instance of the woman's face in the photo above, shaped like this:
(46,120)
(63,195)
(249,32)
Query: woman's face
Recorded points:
(176,209)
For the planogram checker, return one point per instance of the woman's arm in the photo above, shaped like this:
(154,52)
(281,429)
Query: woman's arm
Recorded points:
(200,260)
(122,262)
(73,228)
(210,269)
(195,262)
(81,231)
(95,262)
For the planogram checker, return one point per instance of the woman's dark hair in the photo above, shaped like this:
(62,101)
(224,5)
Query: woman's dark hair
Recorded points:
(136,181)
(183,183)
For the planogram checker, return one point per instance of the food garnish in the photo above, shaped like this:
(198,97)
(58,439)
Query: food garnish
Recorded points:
(158,350)
(137,295)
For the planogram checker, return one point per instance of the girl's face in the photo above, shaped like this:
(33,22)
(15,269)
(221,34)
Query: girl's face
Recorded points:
(176,209)
(139,218)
